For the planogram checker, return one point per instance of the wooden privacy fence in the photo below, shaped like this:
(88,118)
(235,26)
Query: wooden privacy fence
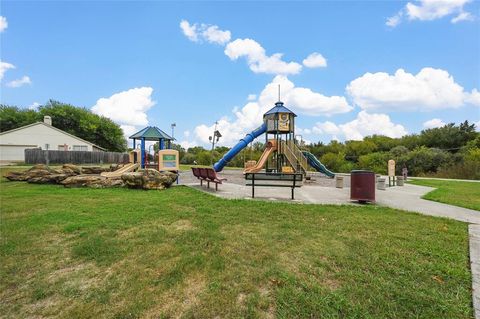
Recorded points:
(38,156)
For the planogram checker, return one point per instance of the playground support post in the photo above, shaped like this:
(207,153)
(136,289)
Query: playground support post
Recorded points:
(142,153)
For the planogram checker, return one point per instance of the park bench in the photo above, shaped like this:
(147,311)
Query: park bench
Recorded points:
(291,180)
(208,175)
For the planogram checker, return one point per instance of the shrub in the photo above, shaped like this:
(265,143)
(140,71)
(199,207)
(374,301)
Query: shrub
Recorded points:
(376,162)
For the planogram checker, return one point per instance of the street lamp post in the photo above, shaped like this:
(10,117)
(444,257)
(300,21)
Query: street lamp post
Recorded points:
(214,139)
(173,125)
(300,142)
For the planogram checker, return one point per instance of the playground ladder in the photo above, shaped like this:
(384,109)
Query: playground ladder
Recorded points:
(294,155)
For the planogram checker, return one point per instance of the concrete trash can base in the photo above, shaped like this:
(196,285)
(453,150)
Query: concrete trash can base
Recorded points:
(381,184)
(400,181)
(339,182)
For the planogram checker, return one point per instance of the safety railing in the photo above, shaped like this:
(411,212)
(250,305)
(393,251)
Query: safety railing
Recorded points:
(294,155)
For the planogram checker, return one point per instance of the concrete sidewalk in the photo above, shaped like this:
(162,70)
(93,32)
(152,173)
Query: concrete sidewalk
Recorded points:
(474,233)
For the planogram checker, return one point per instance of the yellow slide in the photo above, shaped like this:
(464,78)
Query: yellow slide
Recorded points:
(118,173)
(271,146)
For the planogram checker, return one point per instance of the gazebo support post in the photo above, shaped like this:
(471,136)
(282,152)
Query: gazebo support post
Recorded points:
(142,150)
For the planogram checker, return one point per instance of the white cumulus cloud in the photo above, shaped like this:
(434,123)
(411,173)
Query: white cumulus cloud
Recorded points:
(20,82)
(251,50)
(428,10)
(4,67)
(214,35)
(429,89)
(365,124)
(3,23)
(395,20)
(433,123)
(210,33)
(326,128)
(298,99)
(251,97)
(463,16)
(127,108)
(190,31)
(34,106)
(315,60)
(473,97)
(257,59)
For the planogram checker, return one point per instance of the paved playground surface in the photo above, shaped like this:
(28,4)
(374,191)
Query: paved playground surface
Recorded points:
(322,191)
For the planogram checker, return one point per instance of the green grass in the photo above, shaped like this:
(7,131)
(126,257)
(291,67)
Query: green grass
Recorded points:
(119,253)
(463,194)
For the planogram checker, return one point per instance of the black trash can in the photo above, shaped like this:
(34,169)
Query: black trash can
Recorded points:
(362,186)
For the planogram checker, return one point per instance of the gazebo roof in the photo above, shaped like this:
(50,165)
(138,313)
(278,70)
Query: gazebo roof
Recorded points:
(151,133)
(279,108)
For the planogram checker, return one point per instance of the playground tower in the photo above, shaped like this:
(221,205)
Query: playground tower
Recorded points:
(281,154)
(280,132)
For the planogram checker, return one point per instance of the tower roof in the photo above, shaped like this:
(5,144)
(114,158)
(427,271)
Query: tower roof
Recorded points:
(151,133)
(279,108)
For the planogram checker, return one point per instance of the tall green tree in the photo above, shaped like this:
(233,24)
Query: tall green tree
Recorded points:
(449,137)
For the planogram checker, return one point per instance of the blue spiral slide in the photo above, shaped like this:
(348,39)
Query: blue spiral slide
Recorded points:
(218,166)
(317,165)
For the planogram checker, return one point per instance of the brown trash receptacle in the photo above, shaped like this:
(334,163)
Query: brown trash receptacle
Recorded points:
(362,186)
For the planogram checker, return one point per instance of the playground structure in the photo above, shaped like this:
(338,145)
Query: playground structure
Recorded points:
(130,167)
(282,155)
(166,159)
(150,133)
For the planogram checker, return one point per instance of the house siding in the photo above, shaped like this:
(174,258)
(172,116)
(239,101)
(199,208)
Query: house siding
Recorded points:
(13,144)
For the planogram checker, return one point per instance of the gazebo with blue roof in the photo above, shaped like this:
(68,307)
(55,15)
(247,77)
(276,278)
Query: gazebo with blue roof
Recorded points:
(151,133)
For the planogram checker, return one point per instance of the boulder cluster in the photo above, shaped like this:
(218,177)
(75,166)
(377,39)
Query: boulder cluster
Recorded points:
(71,175)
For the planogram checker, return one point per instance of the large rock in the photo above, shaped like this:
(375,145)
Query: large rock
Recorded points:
(76,170)
(16,176)
(71,175)
(94,181)
(36,172)
(149,179)
(94,169)
(42,174)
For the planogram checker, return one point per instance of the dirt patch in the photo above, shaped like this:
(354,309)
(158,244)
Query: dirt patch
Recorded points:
(180,299)
(270,313)
(68,271)
(291,261)
(182,225)
(241,299)
(331,283)
(36,309)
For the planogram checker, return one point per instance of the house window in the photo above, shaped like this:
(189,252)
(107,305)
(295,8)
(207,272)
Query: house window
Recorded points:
(80,147)
(63,147)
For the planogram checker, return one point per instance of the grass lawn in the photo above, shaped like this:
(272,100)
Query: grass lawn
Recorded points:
(464,194)
(119,253)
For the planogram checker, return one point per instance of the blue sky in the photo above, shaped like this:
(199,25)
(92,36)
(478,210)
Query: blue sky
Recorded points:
(132,62)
